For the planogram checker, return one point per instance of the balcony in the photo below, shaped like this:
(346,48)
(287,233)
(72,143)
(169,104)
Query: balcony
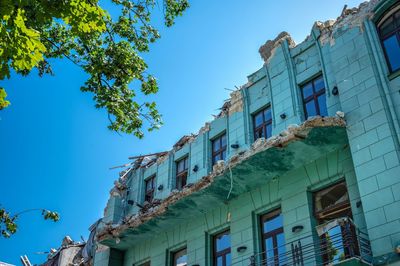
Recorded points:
(338,242)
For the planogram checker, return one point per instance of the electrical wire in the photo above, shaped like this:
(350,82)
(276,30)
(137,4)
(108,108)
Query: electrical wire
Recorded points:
(230,173)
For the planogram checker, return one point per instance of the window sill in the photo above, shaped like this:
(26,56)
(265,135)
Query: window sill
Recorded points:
(394,75)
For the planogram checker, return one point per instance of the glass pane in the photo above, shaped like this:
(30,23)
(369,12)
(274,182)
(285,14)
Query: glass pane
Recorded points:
(274,223)
(228,259)
(280,239)
(223,141)
(323,111)
(178,183)
(319,84)
(269,130)
(267,114)
(220,261)
(148,185)
(184,179)
(334,244)
(310,108)
(392,48)
(216,145)
(216,158)
(180,258)
(307,90)
(223,241)
(269,247)
(223,155)
(180,166)
(186,161)
(387,27)
(259,133)
(258,119)
(181,261)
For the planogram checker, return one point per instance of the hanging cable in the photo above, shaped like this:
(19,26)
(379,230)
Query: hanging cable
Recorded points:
(230,173)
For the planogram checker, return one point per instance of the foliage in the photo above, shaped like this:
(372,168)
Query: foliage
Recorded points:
(331,251)
(8,223)
(106,47)
(3,102)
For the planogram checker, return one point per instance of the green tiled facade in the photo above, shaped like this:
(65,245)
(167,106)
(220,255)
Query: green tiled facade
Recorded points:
(348,55)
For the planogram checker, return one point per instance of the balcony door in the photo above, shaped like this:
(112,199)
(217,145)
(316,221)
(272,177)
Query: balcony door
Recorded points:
(333,214)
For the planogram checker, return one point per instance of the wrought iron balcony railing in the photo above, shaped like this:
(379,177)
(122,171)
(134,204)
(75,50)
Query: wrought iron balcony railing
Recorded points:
(339,242)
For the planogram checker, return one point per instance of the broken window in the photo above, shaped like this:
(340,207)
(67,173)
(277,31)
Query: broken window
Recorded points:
(389,33)
(149,185)
(179,258)
(222,249)
(273,238)
(332,211)
(314,99)
(262,123)
(219,149)
(181,172)
(331,203)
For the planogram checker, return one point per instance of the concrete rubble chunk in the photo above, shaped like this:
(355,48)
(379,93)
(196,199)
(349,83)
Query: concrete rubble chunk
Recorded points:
(267,50)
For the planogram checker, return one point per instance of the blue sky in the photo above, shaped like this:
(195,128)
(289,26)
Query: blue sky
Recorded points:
(56,150)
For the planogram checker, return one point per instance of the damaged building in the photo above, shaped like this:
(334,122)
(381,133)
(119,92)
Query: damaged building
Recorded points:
(301,166)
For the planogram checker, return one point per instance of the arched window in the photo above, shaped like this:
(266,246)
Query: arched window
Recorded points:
(389,33)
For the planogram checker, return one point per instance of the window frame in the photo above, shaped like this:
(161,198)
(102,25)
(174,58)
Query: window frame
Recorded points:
(149,194)
(265,123)
(175,253)
(338,208)
(342,209)
(223,253)
(221,150)
(395,32)
(181,176)
(314,97)
(271,234)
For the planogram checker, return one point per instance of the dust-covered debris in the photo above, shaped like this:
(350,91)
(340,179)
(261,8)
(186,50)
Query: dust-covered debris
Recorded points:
(69,253)
(236,102)
(232,105)
(350,18)
(157,208)
(205,128)
(147,160)
(183,141)
(224,109)
(162,158)
(267,50)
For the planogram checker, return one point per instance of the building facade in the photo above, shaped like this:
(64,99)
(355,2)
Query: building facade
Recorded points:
(301,167)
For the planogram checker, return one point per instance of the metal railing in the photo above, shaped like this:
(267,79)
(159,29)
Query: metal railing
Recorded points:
(342,242)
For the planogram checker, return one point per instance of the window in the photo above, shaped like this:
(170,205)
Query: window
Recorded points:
(273,238)
(219,149)
(330,205)
(149,185)
(314,99)
(147,263)
(179,258)
(389,34)
(181,173)
(222,249)
(332,202)
(262,123)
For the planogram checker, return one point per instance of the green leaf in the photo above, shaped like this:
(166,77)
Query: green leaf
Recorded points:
(109,49)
